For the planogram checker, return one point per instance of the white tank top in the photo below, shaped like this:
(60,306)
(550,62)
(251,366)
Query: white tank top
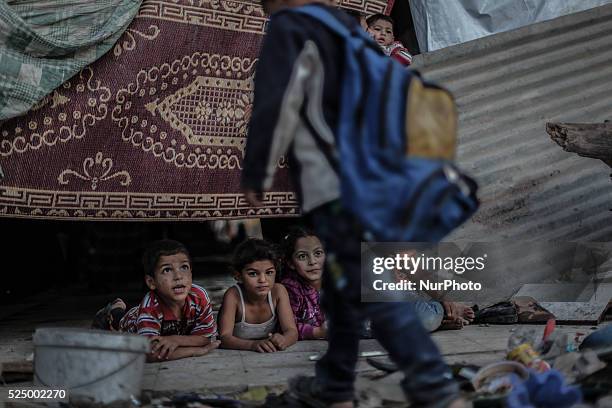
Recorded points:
(254,331)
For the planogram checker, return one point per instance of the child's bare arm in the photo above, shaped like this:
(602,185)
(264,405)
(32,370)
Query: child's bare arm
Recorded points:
(185,341)
(163,353)
(289,333)
(227,319)
(166,347)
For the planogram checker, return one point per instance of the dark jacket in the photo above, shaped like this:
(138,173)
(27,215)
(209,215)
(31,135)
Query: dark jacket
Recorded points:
(295,111)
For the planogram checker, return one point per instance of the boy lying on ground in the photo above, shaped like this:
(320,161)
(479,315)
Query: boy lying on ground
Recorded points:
(176,314)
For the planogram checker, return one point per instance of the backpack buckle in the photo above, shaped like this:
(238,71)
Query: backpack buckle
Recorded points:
(453,177)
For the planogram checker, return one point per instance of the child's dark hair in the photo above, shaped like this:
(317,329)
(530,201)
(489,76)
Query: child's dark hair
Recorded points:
(375,17)
(289,240)
(157,249)
(253,250)
(288,245)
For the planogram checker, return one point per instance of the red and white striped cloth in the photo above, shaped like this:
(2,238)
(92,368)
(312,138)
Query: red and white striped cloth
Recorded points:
(398,52)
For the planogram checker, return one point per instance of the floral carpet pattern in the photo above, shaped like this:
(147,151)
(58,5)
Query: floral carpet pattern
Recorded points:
(155,129)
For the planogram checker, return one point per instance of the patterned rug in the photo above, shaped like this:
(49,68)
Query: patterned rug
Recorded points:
(155,129)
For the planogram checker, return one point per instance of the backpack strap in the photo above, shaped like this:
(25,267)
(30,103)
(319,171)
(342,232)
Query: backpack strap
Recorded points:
(361,41)
(324,16)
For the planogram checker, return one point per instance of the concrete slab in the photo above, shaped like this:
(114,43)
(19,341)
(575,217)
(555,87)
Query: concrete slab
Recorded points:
(236,371)
(231,371)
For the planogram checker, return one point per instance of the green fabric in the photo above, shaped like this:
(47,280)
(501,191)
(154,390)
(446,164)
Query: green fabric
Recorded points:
(43,43)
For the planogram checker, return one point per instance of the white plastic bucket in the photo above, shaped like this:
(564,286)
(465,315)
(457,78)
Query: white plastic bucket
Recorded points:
(97,365)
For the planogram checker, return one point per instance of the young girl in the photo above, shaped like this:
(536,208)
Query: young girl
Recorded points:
(256,314)
(304,260)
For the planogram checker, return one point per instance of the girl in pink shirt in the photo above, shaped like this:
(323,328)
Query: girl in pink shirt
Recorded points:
(304,260)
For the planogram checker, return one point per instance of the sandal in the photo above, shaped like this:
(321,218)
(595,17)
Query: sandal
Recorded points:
(457,323)
(109,314)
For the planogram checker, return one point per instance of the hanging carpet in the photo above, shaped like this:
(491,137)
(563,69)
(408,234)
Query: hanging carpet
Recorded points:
(153,130)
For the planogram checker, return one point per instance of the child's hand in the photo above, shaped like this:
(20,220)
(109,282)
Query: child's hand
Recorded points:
(162,347)
(320,332)
(202,351)
(278,340)
(264,346)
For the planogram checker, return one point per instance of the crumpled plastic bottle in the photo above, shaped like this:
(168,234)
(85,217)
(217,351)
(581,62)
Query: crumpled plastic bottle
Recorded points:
(521,348)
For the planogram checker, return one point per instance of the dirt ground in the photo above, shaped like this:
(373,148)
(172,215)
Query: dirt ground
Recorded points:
(230,372)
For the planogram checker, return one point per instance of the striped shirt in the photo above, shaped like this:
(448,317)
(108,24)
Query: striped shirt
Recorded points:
(154,318)
(397,51)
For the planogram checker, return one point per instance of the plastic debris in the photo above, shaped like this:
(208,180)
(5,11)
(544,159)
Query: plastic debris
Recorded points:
(497,378)
(543,390)
(557,345)
(598,339)
(576,366)
(205,400)
(521,348)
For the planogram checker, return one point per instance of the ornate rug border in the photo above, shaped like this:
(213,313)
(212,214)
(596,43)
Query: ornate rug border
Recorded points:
(105,206)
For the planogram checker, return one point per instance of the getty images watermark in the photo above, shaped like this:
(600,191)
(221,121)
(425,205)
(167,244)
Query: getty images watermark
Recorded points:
(483,272)
(410,262)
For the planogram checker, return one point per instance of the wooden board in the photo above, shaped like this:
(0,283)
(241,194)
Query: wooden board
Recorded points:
(585,139)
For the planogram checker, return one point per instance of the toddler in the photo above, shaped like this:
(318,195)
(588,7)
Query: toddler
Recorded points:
(256,313)
(380,27)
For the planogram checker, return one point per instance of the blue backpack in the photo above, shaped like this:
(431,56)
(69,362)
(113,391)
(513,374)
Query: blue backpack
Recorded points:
(396,138)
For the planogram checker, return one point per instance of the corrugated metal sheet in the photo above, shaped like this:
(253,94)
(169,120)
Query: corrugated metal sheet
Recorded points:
(507,87)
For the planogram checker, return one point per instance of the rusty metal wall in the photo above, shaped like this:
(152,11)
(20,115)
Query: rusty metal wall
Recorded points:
(507,87)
